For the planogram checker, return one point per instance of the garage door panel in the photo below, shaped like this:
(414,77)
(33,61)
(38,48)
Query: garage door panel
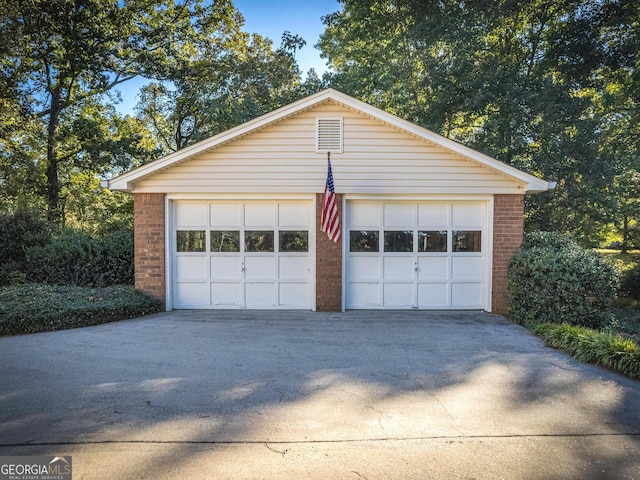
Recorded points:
(467,215)
(433,215)
(226,294)
(398,268)
(260,295)
(226,268)
(293,215)
(259,215)
(192,294)
(398,295)
(294,268)
(443,267)
(260,268)
(294,294)
(433,268)
(191,268)
(433,295)
(468,295)
(398,215)
(191,215)
(226,214)
(364,295)
(466,268)
(250,254)
(366,215)
(364,268)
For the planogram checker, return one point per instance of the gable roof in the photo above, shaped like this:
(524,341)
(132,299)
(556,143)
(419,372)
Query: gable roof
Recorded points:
(125,181)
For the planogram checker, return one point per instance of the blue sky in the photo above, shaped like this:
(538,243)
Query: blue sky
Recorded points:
(269,18)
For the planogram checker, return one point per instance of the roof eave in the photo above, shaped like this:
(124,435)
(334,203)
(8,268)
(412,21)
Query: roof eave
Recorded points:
(126,181)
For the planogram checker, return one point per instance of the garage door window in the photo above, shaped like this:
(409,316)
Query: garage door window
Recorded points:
(363,241)
(467,241)
(191,240)
(398,241)
(294,241)
(432,241)
(225,241)
(258,241)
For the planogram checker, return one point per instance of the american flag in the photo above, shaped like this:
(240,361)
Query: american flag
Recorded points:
(330,222)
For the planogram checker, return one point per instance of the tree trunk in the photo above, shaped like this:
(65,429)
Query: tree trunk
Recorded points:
(625,234)
(53,183)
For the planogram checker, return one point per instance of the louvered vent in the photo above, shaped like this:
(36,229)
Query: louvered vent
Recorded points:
(329,135)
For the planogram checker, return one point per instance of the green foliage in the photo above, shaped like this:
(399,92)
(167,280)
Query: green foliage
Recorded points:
(97,210)
(19,232)
(630,282)
(548,87)
(61,62)
(75,257)
(210,94)
(30,252)
(601,348)
(40,308)
(553,279)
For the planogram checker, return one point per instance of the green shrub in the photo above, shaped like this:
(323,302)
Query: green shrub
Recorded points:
(630,282)
(30,253)
(39,308)
(76,257)
(19,231)
(553,279)
(607,349)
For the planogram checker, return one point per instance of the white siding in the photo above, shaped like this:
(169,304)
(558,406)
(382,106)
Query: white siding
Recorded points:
(282,158)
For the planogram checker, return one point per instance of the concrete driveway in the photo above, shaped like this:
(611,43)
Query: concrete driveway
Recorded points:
(359,395)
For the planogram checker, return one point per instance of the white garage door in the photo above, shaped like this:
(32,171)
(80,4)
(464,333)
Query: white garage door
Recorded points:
(429,255)
(242,254)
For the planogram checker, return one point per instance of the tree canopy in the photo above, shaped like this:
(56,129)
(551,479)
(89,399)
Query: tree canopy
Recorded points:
(551,87)
(63,59)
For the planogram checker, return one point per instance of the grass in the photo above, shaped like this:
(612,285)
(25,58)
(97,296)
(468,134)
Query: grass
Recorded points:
(43,308)
(605,348)
(627,314)
(629,257)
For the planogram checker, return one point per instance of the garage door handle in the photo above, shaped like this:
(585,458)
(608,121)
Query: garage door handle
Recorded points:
(415,267)
(242,267)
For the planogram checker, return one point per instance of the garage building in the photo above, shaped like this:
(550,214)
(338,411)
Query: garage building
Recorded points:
(234,221)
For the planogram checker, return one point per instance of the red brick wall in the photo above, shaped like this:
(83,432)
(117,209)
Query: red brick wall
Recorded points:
(508,213)
(149,254)
(328,265)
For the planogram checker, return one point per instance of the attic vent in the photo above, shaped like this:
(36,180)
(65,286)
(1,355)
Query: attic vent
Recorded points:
(329,135)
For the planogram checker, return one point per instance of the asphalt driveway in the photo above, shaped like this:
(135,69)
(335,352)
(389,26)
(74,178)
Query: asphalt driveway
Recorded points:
(202,394)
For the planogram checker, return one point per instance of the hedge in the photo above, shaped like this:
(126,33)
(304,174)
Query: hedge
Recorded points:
(75,257)
(39,308)
(553,279)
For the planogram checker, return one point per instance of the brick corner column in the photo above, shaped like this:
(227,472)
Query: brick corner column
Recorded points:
(508,228)
(328,264)
(149,243)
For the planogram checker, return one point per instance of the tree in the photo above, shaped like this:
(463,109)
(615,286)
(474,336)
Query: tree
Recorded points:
(520,81)
(61,57)
(208,95)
